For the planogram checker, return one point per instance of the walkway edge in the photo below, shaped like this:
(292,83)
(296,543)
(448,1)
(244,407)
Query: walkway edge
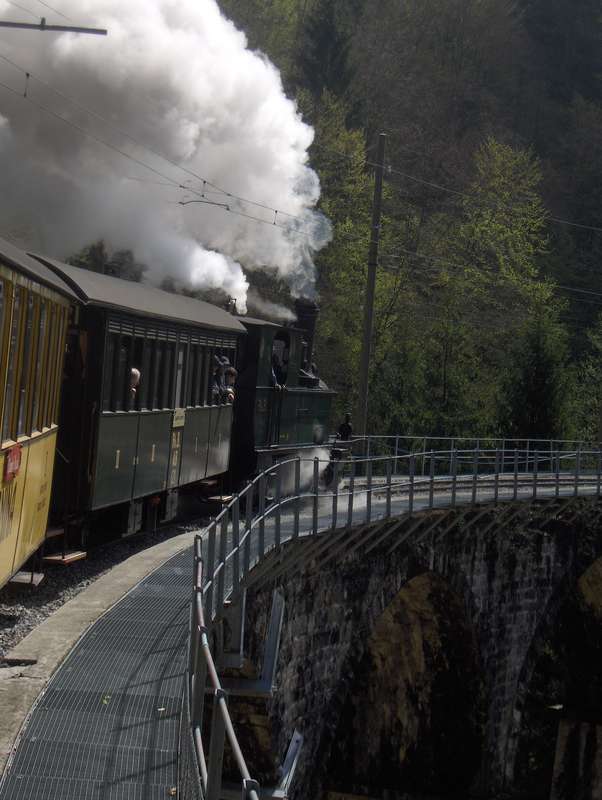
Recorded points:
(51,641)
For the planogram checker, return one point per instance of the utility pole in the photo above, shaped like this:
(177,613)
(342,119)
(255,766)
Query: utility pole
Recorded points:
(370,285)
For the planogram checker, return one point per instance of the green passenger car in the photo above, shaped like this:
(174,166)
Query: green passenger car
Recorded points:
(139,423)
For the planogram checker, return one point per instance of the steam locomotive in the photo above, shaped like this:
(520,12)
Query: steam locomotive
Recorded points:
(113,383)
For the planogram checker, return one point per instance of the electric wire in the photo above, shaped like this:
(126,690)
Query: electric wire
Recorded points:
(554,287)
(135,141)
(22,8)
(167,180)
(56,11)
(457,192)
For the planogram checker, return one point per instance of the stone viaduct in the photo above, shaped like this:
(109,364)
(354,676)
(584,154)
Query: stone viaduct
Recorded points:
(460,656)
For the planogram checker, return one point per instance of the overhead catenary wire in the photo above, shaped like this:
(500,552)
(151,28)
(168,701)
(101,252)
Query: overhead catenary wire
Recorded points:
(56,11)
(553,286)
(459,193)
(22,8)
(146,147)
(167,180)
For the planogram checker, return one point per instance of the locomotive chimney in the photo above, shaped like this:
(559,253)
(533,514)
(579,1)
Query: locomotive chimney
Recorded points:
(307,316)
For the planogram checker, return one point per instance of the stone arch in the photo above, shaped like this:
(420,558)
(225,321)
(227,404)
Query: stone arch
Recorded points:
(411,711)
(559,701)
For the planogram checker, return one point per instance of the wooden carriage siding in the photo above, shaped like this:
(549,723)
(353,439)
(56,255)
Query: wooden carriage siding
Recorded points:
(34,314)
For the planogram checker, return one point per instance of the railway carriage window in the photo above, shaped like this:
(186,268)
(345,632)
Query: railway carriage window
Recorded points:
(194,368)
(145,377)
(168,375)
(13,355)
(108,372)
(120,362)
(58,362)
(180,376)
(280,356)
(24,383)
(135,375)
(46,411)
(196,385)
(209,370)
(158,374)
(36,421)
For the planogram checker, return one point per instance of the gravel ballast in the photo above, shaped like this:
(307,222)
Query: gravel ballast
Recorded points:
(23,606)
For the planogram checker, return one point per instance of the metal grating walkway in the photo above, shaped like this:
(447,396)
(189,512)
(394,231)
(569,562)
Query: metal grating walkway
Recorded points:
(106,728)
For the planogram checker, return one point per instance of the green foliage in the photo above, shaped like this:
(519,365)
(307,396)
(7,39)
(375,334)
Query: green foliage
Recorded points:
(323,56)
(501,103)
(120,264)
(537,384)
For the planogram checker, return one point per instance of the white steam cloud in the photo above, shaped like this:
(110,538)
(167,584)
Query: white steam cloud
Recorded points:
(176,76)
(269,309)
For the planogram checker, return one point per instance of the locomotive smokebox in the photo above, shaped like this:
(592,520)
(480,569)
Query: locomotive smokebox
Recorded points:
(307,316)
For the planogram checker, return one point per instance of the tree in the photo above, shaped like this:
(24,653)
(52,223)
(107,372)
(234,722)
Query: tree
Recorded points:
(324,53)
(537,386)
(120,264)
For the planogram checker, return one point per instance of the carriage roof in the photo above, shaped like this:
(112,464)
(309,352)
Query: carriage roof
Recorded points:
(94,288)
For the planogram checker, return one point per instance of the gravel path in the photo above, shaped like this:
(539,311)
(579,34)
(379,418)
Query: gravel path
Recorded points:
(23,607)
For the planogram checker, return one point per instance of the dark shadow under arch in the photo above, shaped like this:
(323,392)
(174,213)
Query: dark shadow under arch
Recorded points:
(412,714)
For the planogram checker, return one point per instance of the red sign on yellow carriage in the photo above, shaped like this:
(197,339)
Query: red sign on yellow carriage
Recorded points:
(12,463)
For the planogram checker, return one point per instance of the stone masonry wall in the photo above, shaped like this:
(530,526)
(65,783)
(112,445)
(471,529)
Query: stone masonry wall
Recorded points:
(509,576)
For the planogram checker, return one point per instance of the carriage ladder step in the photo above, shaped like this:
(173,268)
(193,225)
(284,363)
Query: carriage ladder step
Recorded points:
(66,558)
(52,533)
(28,578)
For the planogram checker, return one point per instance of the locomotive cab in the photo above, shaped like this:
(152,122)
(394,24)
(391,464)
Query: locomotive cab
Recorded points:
(282,405)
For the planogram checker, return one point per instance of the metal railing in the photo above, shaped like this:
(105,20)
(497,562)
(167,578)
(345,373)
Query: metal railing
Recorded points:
(300,497)
(204,682)
(405,445)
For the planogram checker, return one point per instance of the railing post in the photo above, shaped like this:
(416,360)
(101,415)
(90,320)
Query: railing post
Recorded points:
(248,524)
(194,642)
(223,549)
(368,491)
(216,748)
(335,494)
(423,457)
(412,468)
(496,479)
(389,469)
(535,472)
(396,454)
(297,497)
(235,546)
(599,481)
(503,456)
(557,473)
(515,473)
(262,491)
(210,572)
(278,517)
(577,470)
(316,484)
(475,476)
(454,471)
(432,480)
(351,491)
(199,675)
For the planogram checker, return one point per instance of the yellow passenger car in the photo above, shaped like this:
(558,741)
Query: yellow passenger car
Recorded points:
(35,307)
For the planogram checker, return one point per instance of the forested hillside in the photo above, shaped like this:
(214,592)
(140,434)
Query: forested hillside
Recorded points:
(490,283)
